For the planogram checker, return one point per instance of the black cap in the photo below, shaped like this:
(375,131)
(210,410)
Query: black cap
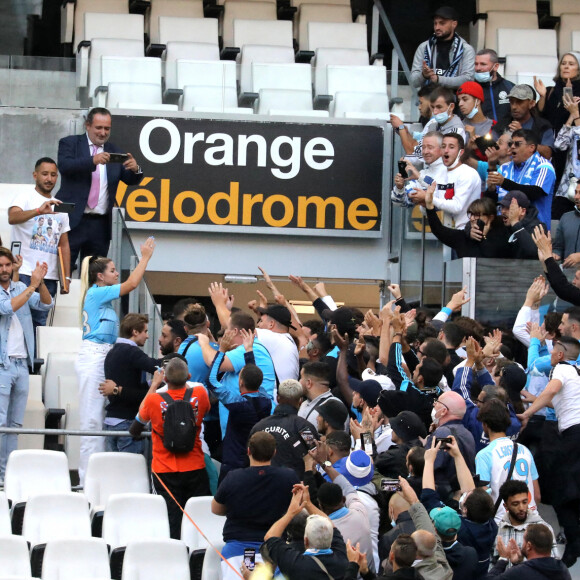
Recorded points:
(513,377)
(344,319)
(392,403)
(369,391)
(279,313)
(408,426)
(447,12)
(334,413)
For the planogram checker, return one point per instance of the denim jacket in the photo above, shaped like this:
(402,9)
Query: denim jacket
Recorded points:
(24,317)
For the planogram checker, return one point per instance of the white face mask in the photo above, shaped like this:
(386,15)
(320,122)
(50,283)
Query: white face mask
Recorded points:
(434,419)
(457,160)
(473,111)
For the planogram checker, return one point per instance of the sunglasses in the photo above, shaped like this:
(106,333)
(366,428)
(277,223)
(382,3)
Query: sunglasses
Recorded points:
(515,144)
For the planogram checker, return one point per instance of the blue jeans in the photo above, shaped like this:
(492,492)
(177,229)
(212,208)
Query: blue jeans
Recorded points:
(13,398)
(39,316)
(125,444)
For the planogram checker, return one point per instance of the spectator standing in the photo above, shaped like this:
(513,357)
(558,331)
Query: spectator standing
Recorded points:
(32,214)
(527,172)
(126,368)
(445,59)
(332,416)
(524,116)
(314,378)
(172,335)
(90,180)
(99,287)
(496,105)
(470,100)
(285,425)
(182,473)
(252,499)
(17,345)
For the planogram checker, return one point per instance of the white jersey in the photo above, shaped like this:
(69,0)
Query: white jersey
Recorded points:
(567,401)
(453,196)
(283,351)
(492,464)
(40,235)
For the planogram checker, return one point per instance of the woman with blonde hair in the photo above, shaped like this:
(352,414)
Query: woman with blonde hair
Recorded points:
(100,325)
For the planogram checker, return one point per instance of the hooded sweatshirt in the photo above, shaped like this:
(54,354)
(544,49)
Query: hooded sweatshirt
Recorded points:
(547,568)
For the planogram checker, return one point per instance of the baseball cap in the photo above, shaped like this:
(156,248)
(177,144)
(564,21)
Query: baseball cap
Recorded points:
(344,319)
(358,468)
(369,390)
(447,12)
(334,413)
(279,313)
(513,377)
(522,92)
(519,196)
(408,425)
(446,520)
(383,380)
(471,88)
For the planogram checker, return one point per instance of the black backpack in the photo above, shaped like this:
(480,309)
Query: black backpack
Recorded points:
(179,423)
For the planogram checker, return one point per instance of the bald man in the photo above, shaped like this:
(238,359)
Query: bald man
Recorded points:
(401,522)
(432,565)
(447,415)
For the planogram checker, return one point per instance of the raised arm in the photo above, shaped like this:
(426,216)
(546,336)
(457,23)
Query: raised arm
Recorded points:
(219,296)
(137,274)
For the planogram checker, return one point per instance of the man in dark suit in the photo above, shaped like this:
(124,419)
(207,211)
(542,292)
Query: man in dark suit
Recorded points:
(89,180)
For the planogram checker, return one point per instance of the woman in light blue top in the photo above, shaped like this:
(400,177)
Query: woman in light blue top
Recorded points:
(100,325)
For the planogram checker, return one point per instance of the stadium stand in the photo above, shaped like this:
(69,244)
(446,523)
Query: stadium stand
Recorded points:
(14,557)
(74,558)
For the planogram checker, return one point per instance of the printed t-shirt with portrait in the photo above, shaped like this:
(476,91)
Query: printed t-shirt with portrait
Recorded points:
(39,235)
(100,321)
(153,409)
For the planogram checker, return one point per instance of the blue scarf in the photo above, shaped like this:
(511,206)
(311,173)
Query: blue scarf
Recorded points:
(522,174)
(455,54)
(314,552)
(338,513)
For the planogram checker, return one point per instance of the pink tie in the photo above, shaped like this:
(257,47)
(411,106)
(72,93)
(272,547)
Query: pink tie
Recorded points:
(95,183)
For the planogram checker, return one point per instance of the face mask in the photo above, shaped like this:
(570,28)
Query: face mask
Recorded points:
(417,135)
(483,77)
(442,118)
(393,523)
(434,419)
(457,160)
(472,113)
(309,346)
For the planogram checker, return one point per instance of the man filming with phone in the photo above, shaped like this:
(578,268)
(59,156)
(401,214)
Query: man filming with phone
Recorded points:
(39,230)
(91,169)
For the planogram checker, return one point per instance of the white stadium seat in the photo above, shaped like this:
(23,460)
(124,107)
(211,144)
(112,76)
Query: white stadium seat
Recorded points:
(199,509)
(576,40)
(177,50)
(209,99)
(260,32)
(298,3)
(335,56)
(5,525)
(569,23)
(207,84)
(173,29)
(113,473)
(51,339)
(359,105)
(133,94)
(68,399)
(14,557)
(284,99)
(252,53)
(560,7)
(484,6)
(539,64)
(212,569)
(34,415)
(281,76)
(240,9)
(75,558)
(56,364)
(483,33)
(54,516)
(173,8)
(328,13)
(31,471)
(335,35)
(155,559)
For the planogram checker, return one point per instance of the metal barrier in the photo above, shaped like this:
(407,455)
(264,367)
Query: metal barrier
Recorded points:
(74,432)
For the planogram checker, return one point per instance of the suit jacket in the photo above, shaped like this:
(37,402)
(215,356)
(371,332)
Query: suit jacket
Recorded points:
(76,166)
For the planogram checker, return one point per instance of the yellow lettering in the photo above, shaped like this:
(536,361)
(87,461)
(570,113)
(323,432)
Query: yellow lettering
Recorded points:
(248,204)
(164,200)
(356,211)
(122,189)
(288,211)
(134,203)
(320,205)
(231,199)
(178,207)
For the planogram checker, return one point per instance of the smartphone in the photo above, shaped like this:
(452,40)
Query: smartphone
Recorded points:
(118,157)
(403,168)
(480,224)
(390,485)
(250,558)
(568,91)
(307,437)
(15,248)
(366,442)
(64,208)
(444,442)
(482,143)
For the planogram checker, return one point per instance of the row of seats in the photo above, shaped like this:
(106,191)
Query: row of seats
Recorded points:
(73,558)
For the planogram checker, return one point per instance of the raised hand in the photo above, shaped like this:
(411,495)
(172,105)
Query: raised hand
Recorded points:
(218,294)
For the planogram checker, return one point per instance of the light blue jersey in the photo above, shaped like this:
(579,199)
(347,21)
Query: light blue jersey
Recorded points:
(100,321)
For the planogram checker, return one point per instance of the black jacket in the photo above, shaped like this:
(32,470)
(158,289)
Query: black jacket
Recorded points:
(523,246)
(393,462)
(284,424)
(492,91)
(352,572)
(537,569)
(494,245)
(127,365)
(462,559)
(559,283)
(404,525)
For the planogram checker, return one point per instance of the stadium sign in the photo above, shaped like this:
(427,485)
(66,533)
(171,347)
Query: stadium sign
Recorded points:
(250,176)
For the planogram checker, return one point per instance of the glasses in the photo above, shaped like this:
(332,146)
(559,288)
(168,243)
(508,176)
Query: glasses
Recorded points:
(473,215)
(438,401)
(479,402)
(515,144)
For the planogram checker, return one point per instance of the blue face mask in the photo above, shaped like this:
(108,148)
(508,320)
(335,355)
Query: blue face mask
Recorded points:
(482,77)
(472,113)
(417,135)
(442,118)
